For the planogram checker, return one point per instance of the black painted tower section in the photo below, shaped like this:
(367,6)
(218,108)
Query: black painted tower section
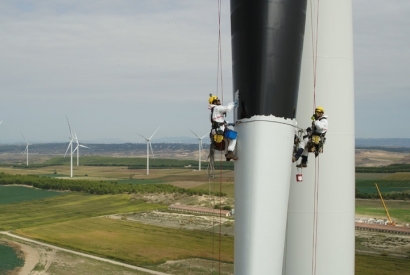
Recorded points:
(267,44)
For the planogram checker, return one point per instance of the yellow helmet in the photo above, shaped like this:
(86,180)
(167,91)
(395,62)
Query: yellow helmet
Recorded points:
(212,98)
(320,109)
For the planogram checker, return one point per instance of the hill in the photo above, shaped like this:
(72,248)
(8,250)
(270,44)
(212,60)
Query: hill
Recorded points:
(383,142)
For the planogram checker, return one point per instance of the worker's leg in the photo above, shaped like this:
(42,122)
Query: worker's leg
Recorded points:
(231,147)
(304,161)
(232,144)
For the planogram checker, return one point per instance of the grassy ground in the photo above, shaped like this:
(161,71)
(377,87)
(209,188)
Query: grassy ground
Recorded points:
(132,242)
(399,210)
(74,220)
(67,207)
(381,265)
(15,194)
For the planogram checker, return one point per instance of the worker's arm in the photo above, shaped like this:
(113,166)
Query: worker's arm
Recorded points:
(228,107)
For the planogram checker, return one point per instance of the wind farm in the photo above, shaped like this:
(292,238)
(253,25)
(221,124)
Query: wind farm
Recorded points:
(297,82)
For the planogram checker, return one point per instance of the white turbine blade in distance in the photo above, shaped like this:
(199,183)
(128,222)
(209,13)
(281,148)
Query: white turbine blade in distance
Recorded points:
(204,136)
(69,127)
(154,133)
(143,136)
(83,146)
(68,147)
(194,133)
(24,138)
(1,122)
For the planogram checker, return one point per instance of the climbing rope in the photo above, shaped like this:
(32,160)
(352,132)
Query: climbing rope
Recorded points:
(211,156)
(316,188)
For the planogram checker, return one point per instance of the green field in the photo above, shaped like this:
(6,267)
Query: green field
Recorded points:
(77,220)
(69,206)
(15,194)
(380,265)
(385,186)
(399,210)
(131,242)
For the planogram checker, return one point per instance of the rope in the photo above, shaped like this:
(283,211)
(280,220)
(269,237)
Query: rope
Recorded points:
(211,156)
(316,189)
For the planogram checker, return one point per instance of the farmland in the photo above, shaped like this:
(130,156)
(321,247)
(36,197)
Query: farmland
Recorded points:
(84,221)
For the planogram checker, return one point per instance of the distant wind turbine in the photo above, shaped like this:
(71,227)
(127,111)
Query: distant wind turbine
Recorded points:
(200,147)
(148,140)
(70,146)
(27,144)
(77,148)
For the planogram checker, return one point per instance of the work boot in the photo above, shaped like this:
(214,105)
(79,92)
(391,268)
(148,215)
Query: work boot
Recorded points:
(302,164)
(227,159)
(231,155)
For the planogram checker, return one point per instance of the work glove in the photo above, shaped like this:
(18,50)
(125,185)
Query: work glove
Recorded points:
(235,104)
(293,159)
(313,117)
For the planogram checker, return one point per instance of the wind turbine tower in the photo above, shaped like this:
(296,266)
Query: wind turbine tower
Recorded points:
(200,148)
(77,148)
(27,144)
(149,146)
(70,146)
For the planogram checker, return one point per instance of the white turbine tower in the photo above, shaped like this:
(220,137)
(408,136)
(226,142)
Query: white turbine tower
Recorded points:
(27,144)
(200,148)
(77,148)
(148,140)
(70,145)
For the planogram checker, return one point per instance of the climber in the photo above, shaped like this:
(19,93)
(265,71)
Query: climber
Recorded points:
(317,137)
(319,129)
(220,126)
(302,149)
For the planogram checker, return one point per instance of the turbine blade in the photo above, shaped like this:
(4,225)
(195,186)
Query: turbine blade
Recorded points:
(1,122)
(83,146)
(69,127)
(204,136)
(142,136)
(68,147)
(194,133)
(24,138)
(154,133)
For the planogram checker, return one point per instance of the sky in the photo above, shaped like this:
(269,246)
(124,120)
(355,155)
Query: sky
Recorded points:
(121,68)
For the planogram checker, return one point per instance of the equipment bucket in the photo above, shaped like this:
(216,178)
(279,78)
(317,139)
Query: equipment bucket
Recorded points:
(299,177)
(231,134)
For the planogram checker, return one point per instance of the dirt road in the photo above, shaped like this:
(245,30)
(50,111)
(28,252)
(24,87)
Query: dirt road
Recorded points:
(32,259)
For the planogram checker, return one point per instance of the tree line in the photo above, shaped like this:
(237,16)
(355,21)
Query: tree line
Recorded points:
(386,196)
(392,168)
(130,163)
(97,187)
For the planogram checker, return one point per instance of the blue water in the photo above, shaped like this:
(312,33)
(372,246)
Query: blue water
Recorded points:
(9,259)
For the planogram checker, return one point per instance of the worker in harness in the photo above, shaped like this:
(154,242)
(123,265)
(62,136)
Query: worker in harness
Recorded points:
(220,126)
(319,129)
(317,137)
(300,148)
